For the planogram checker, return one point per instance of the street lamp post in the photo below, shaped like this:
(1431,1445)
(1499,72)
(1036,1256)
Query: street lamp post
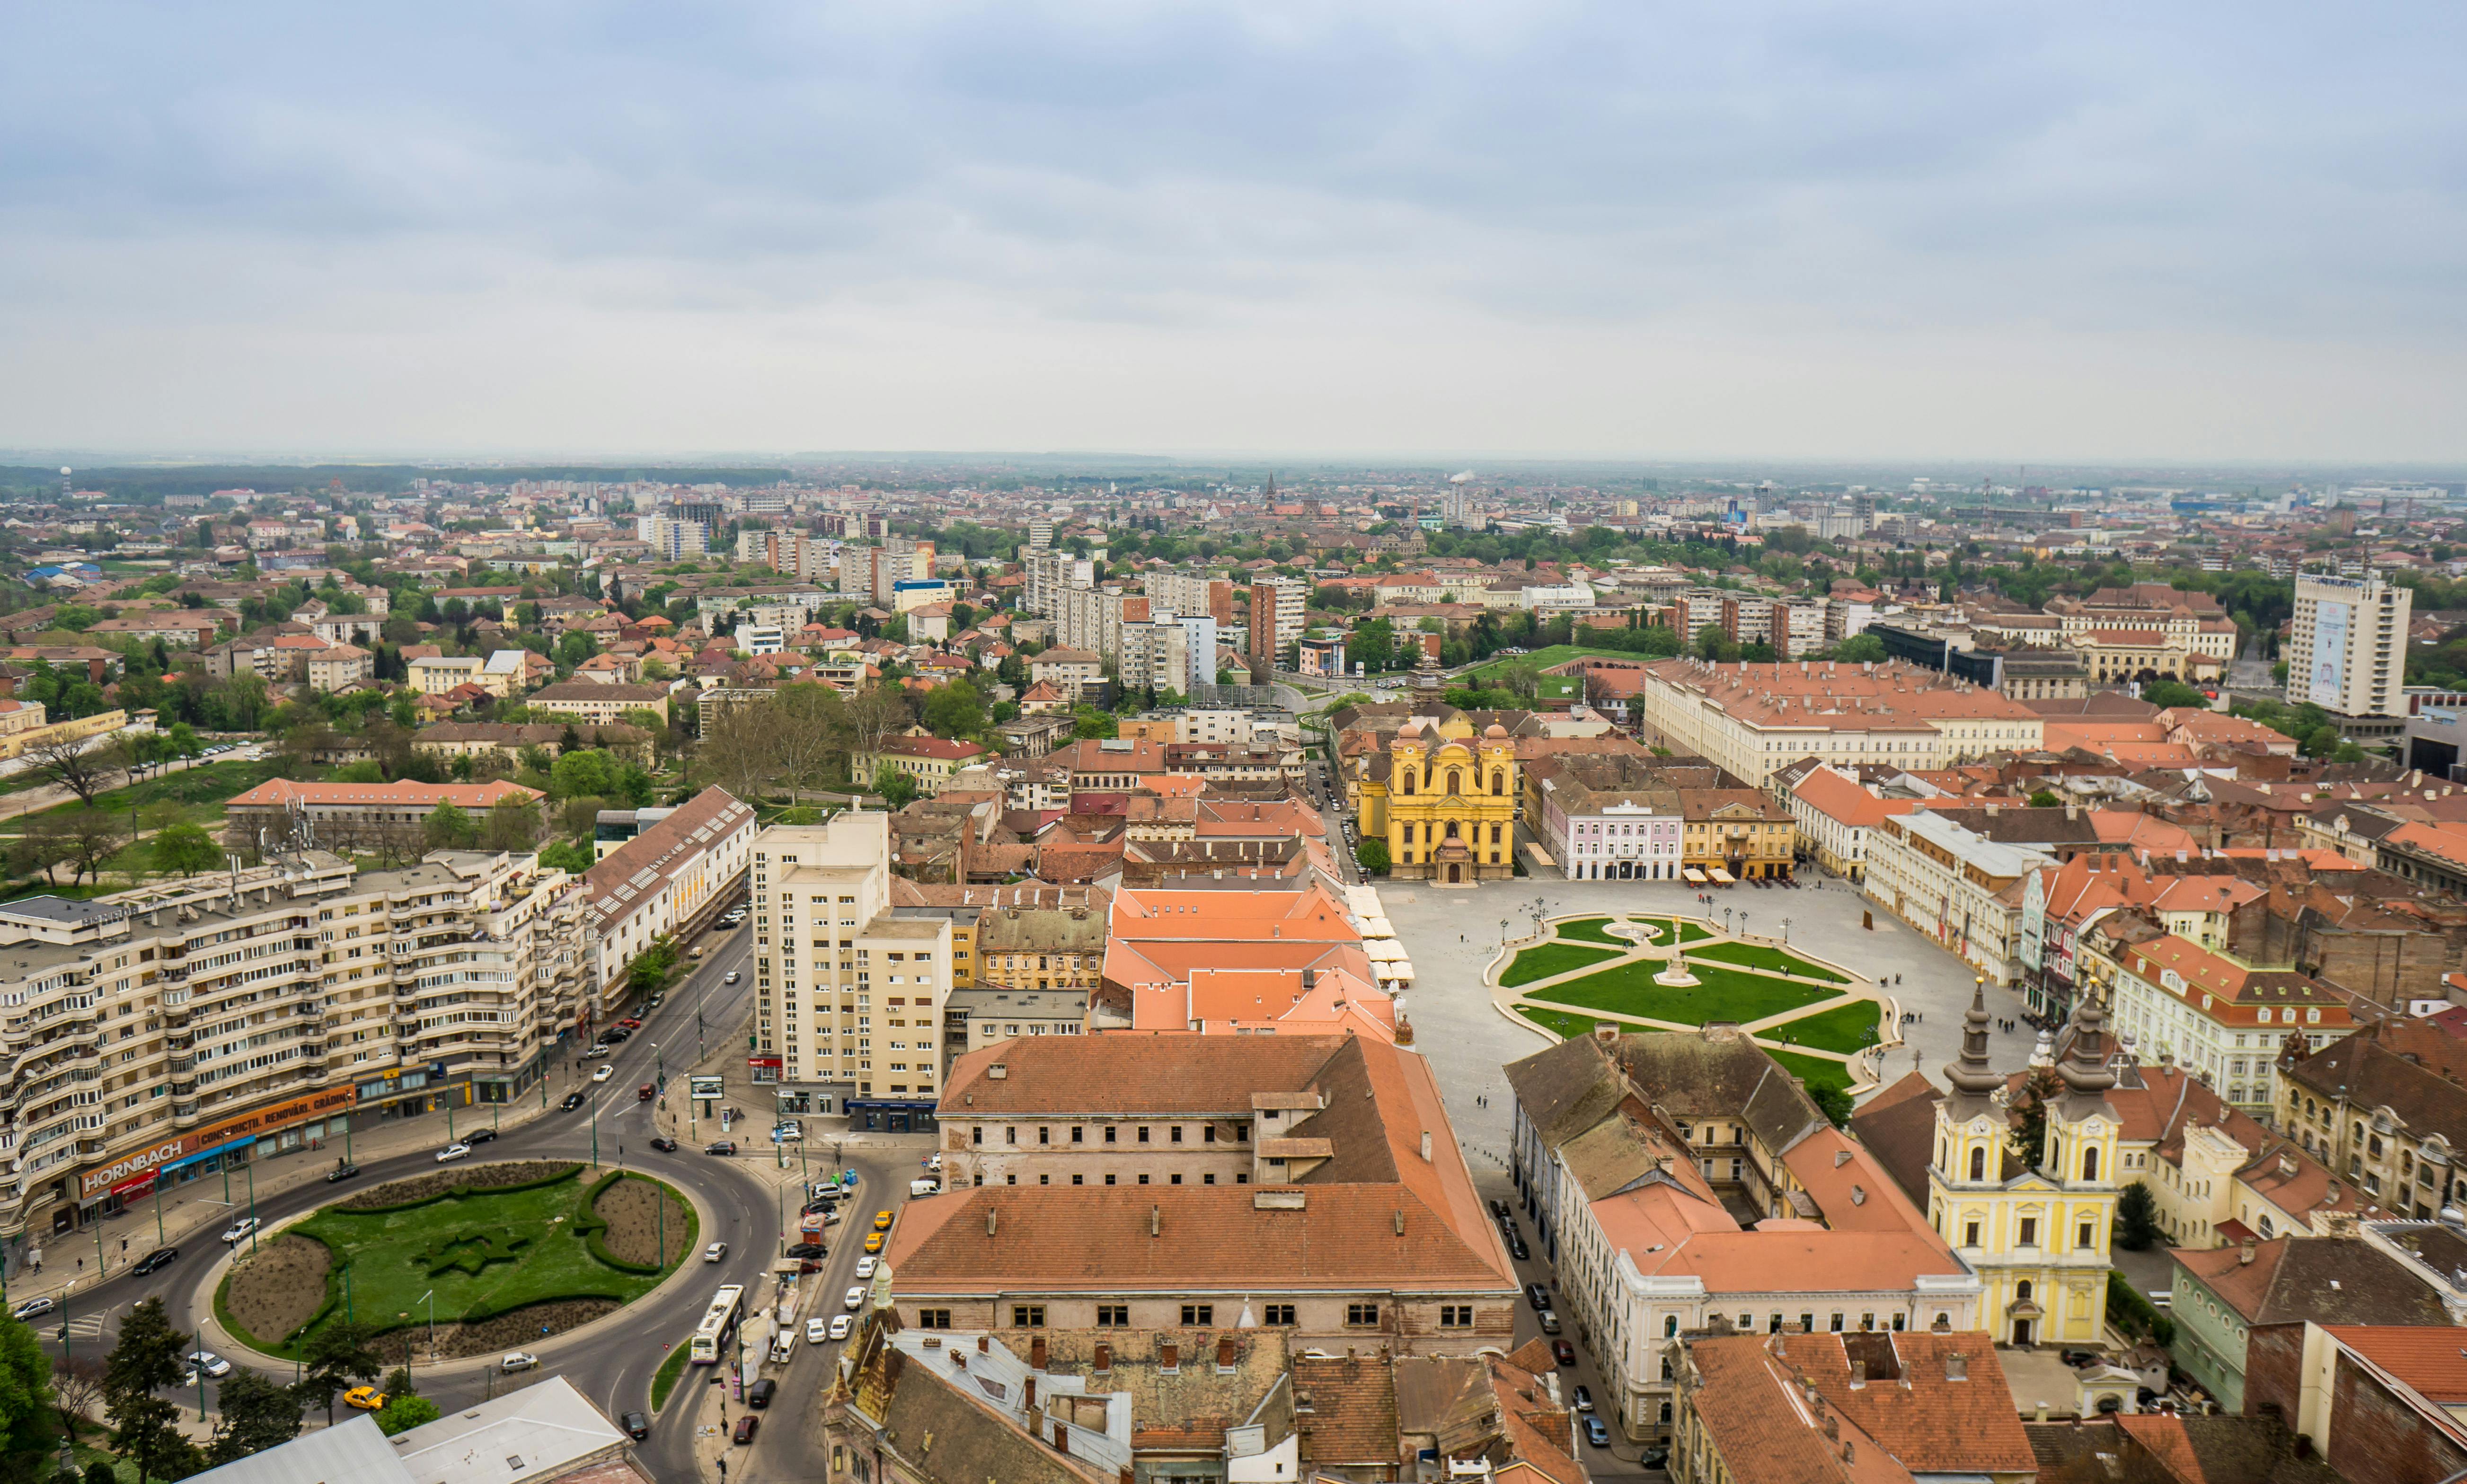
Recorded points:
(595,1127)
(159,1238)
(252,1208)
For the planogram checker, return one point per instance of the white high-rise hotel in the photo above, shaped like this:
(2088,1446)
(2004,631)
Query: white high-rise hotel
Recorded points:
(2347,650)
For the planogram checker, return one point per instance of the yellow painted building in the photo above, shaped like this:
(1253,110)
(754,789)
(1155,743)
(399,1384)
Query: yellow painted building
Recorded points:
(1444,800)
(2036,1229)
(1734,834)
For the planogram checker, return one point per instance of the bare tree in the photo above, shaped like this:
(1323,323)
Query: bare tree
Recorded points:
(93,837)
(77,1384)
(873,714)
(79,766)
(43,846)
(738,753)
(808,736)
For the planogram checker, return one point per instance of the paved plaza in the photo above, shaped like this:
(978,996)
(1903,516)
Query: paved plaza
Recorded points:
(1454,933)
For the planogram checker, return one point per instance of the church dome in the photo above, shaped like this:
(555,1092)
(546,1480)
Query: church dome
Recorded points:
(1495,730)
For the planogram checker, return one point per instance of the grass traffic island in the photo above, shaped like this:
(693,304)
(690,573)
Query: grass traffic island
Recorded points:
(1760,955)
(664,1380)
(1718,995)
(510,1252)
(1850,1028)
(1544,960)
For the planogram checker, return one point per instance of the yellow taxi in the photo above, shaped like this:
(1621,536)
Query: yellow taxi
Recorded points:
(882,1221)
(368,1398)
(873,1241)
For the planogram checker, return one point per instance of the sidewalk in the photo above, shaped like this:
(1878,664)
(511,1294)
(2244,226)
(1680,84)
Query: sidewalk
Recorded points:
(199,1211)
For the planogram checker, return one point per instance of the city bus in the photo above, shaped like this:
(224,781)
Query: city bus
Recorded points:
(719,1322)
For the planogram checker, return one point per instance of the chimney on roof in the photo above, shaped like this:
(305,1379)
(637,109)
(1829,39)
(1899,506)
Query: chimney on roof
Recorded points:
(1156,1220)
(1426,1146)
(1957,1366)
(2244,1255)
(984,1344)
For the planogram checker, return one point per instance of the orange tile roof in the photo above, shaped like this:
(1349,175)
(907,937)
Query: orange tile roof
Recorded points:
(1839,797)
(276,792)
(2429,1359)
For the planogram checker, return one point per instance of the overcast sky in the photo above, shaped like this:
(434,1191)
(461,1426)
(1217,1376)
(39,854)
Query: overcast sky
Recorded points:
(2228,232)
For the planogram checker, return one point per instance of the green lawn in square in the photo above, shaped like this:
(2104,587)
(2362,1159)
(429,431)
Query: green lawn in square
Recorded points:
(1845,1028)
(1760,956)
(1562,1023)
(1591,930)
(1812,1070)
(1544,960)
(1720,994)
(392,1255)
(1689,930)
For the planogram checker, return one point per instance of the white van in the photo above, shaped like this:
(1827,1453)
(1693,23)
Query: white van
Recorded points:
(924,1187)
(784,1347)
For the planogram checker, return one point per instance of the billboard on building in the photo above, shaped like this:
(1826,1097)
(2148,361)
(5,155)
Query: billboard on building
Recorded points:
(2329,658)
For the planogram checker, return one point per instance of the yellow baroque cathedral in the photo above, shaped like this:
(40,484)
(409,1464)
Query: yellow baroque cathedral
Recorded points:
(1444,800)
(2035,1228)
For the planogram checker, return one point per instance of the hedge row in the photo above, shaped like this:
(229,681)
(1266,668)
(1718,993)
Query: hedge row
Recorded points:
(563,1173)
(2132,1311)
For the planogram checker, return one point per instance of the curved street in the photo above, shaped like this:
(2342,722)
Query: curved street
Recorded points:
(751,1201)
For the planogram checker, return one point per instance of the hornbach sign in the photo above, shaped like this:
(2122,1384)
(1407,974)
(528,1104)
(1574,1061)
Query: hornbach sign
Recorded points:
(263,1120)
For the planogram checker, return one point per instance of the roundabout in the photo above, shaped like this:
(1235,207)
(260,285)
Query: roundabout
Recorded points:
(1660,972)
(458,1264)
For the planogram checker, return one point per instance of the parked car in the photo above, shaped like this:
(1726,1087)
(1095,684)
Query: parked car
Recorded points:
(747,1426)
(1499,1208)
(517,1360)
(637,1425)
(807,1249)
(2078,1357)
(714,1252)
(761,1393)
(1583,1399)
(239,1229)
(481,1136)
(865,1265)
(787,1134)
(653,1002)
(646,1091)
(570,1102)
(616,1033)
(368,1398)
(1595,1433)
(853,1300)
(160,1257)
(598,1049)
(1549,1321)
(602,1074)
(720,1146)
(213,1365)
(32,1307)
(664,1144)
(341,1172)
(1563,1352)
(841,1326)
(1656,1456)
(1517,1248)
(453,1152)
(632,1023)
(1537,1296)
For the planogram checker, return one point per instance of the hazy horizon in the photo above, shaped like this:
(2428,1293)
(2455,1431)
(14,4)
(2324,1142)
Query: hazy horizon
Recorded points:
(1910,235)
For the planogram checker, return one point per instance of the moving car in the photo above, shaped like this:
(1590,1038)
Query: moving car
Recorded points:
(160,1257)
(32,1307)
(453,1152)
(787,1134)
(729,978)
(853,1300)
(664,1144)
(646,1092)
(841,1326)
(761,1393)
(882,1221)
(517,1360)
(1594,1432)
(1563,1352)
(637,1425)
(714,1252)
(239,1229)
(865,1267)
(572,1101)
(481,1136)
(720,1146)
(747,1425)
(341,1172)
(817,1329)
(368,1398)
(214,1365)
(873,1241)
(1656,1456)
(602,1074)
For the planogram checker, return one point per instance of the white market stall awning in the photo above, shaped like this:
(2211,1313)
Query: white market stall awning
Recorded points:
(1386,950)
(1378,928)
(1691,873)
(1722,876)
(1402,973)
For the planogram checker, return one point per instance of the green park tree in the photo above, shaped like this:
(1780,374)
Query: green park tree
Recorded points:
(897,789)
(1372,855)
(340,1354)
(402,1413)
(147,1360)
(257,1414)
(513,824)
(2168,694)
(24,1389)
(186,849)
(2137,1217)
(447,828)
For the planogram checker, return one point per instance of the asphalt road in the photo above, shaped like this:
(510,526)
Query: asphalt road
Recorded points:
(746,1211)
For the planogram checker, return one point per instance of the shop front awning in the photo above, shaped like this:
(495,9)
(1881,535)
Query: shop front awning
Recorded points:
(1692,874)
(1722,876)
(1385,950)
(1402,973)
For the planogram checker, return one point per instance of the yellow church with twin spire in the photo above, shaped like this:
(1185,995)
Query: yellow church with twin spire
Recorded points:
(1445,799)
(2034,1224)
